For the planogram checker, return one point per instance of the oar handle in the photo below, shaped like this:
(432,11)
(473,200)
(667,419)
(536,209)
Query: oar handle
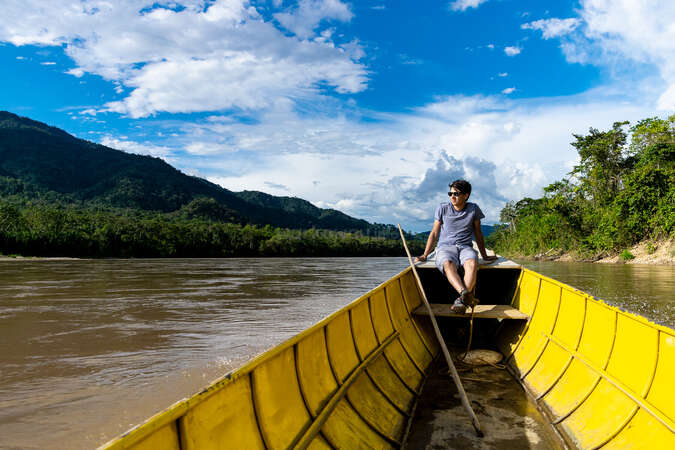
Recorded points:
(441,341)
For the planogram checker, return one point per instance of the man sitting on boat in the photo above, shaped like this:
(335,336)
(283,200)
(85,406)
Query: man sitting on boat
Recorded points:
(454,224)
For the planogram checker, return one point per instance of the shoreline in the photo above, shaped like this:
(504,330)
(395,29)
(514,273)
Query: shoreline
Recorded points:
(661,253)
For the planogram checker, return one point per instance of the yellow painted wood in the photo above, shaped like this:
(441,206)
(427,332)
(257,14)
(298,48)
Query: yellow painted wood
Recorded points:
(410,337)
(547,370)
(643,432)
(164,438)
(314,373)
(413,300)
(597,340)
(281,412)
(634,356)
(345,429)
(543,321)
(362,328)
(570,322)
(599,416)
(662,392)
(385,378)
(341,349)
(319,443)
(208,425)
(403,366)
(605,376)
(380,315)
(302,441)
(525,300)
(554,360)
(479,312)
(376,409)
(575,385)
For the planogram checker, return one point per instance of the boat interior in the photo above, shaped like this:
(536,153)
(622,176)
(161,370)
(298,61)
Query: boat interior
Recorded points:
(575,373)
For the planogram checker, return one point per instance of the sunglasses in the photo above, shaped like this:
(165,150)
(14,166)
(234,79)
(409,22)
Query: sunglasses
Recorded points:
(455,193)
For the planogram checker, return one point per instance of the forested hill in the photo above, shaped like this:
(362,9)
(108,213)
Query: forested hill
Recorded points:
(46,163)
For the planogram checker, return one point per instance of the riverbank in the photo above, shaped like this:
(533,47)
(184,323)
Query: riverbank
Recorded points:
(660,252)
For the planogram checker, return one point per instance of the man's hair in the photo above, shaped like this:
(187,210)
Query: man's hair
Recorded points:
(462,186)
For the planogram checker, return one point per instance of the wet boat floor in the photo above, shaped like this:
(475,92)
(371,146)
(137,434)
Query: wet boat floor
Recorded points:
(507,417)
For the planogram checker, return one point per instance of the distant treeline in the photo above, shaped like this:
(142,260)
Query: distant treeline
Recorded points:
(44,229)
(621,193)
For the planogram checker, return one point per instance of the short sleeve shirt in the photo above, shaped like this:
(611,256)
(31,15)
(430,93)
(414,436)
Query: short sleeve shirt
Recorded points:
(457,226)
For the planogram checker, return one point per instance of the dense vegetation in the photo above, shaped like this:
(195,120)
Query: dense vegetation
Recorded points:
(619,194)
(64,196)
(41,229)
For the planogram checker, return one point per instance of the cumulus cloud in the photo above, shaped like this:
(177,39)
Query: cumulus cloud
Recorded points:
(138,148)
(463,5)
(395,167)
(304,18)
(512,50)
(509,90)
(619,35)
(200,58)
(551,28)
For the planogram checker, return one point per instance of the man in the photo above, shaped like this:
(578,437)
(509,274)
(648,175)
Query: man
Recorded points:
(455,222)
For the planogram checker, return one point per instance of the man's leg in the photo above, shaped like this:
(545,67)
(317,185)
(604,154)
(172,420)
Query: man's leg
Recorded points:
(470,272)
(469,260)
(450,270)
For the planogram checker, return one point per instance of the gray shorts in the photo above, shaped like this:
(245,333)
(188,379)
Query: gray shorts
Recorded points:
(457,254)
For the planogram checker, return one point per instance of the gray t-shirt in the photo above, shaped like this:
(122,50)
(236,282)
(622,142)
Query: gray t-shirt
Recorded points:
(457,226)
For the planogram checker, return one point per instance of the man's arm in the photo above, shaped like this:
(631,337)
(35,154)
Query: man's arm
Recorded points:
(433,236)
(481,242)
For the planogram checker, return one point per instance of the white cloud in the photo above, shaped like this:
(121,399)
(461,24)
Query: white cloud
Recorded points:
(463,5)
(197,59)
(503,74)
(552,28)
(512,51)
(509,90)
(137,147)
(48,63)
(623,36)
(395,167)
(308,14)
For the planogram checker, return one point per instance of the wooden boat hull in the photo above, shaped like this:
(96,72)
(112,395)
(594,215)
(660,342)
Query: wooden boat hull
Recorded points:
(603,377)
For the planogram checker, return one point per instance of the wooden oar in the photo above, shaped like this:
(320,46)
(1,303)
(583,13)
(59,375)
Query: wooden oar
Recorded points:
(441,341)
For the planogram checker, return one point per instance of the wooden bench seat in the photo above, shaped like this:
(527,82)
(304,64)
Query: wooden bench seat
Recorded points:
(482,312)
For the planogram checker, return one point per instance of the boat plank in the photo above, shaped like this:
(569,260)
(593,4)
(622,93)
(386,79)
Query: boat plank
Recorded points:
(481,312)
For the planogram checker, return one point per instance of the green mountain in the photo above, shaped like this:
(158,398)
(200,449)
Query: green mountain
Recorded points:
(38,161)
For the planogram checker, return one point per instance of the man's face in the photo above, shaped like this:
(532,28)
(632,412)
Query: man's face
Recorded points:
(457,198)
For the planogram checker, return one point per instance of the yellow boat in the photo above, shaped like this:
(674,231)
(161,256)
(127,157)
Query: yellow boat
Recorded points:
(599,376)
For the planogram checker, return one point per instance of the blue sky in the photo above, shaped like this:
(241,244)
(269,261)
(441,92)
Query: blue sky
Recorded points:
(369,107)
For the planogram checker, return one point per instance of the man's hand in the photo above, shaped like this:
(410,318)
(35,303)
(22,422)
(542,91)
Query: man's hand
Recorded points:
(420,258)
(489,257)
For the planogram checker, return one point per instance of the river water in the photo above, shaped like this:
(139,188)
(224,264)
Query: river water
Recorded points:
(89,348)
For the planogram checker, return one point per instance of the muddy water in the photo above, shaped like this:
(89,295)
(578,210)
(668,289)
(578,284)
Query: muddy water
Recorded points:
(89,348)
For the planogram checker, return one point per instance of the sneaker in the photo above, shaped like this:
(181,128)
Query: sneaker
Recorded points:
(458,307)
(468,298)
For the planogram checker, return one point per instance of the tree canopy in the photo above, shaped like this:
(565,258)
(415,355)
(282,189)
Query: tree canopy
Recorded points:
(621,192)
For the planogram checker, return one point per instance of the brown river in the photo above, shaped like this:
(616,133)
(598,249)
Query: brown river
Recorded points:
(89,348)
